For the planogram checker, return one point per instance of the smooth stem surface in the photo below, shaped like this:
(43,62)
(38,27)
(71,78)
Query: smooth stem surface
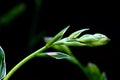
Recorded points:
(22,62)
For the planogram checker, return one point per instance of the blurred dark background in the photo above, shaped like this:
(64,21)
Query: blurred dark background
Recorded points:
(54,15)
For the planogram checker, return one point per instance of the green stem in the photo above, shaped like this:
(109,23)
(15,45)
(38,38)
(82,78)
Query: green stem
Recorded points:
(22,62)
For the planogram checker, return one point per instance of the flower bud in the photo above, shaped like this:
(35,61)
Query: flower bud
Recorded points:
(87,38)
(94,40)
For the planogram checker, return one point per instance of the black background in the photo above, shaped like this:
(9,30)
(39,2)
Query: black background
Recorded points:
(99,16)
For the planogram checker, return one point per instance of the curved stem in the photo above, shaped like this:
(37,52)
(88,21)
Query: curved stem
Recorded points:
(22,62)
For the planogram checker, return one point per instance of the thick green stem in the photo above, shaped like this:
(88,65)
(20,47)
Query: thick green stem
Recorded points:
(22,62)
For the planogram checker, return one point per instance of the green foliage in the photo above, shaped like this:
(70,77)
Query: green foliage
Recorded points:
(57,37)
(61,44)
(62,48)
(94,73)
(88,40)
(58,55)
(2,64)
(57,42)
(91,71)
(76,33)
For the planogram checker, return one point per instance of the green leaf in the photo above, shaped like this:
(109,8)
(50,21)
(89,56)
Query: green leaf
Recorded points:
(76,33)
(13,13)
(94,73)
(62,48)
(93,68)
(58,47)
(58,55)
(57,37)
(2,64)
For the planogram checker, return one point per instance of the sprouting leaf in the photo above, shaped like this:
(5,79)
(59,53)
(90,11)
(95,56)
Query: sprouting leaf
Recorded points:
(2,64)
(13,13)
(57,37)
(76,33)
(58,55)
(93,72)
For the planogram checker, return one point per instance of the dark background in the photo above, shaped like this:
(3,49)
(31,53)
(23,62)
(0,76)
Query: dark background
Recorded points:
(99,16)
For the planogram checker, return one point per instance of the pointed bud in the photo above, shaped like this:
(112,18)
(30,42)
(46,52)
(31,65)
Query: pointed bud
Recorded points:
(94,40)
(58,55)
(76,33)
(87,38)
(57,37)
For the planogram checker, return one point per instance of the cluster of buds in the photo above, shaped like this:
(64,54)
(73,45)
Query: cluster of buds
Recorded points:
(90,40)
(75,39)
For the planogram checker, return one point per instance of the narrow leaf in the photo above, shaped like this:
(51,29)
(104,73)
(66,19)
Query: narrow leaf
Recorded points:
(76,33)
(58,47)
(58,55)
(62,48)
(2,64)
(94,73)
(57,37)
